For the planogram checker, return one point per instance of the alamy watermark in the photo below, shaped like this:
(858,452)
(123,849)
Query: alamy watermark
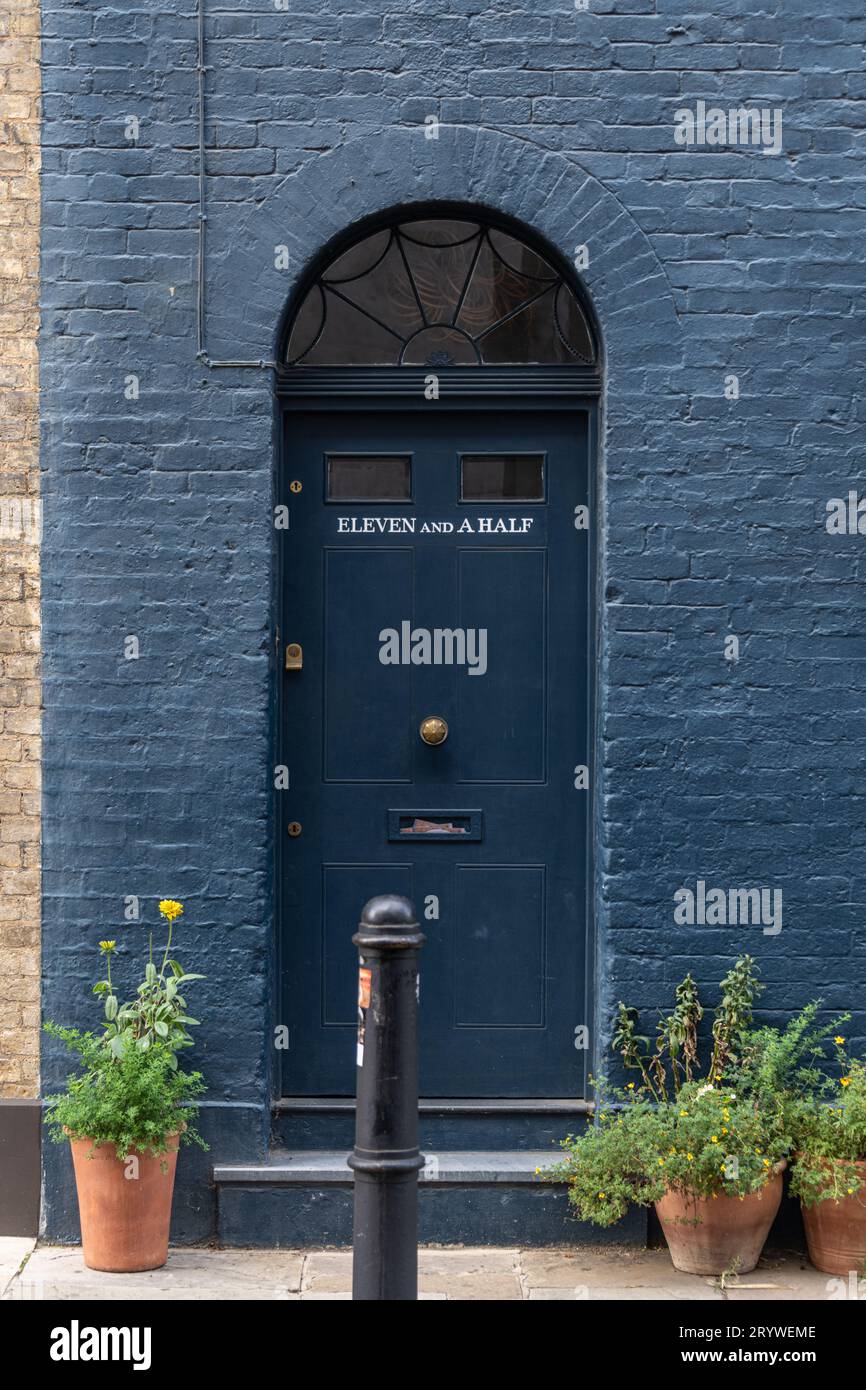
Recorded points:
(854,1288)
(759,126)
(21,519)
(846,516)
(77,1343)
(720,907)
(438,646)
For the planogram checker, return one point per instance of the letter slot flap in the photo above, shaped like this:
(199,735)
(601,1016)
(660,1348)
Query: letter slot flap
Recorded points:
(457,826)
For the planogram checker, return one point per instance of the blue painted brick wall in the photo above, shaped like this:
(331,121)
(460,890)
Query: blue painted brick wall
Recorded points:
(157,511)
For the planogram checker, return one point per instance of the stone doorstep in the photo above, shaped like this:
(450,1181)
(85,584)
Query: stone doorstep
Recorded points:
(329,1166)
(303,1197)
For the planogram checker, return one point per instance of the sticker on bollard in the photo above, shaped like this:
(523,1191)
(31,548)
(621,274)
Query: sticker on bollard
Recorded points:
(386,1159)
(365,981)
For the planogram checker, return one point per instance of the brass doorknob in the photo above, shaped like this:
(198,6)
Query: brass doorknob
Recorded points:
(433,729)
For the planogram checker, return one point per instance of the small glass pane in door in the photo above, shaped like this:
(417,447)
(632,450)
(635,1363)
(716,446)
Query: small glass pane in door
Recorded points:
(502,477)
(369,478)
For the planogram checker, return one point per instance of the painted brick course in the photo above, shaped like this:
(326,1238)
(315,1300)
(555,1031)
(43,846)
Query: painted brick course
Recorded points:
(19,549)
(703,263)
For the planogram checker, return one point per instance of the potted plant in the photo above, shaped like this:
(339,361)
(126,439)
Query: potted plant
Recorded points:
(829,1166)
(127,1110)
(708,1154)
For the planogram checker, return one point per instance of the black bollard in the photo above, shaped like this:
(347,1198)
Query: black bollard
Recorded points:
(386,1159)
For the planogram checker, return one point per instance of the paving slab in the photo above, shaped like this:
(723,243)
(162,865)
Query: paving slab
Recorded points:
(811,1286)
(656,1293)
(490,1273)
(59,1271)
(786,1277)
(494,1274)
(606,1267)
(327,1271)
(13,1252)
(346,1297)
(487,1274)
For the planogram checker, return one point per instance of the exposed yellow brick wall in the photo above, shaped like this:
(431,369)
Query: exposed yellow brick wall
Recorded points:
(20,697)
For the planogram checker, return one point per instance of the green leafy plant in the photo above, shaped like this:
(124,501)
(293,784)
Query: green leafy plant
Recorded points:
(782,1066)
(158,1011)
(831,1133)
(708,1142)
(130,1091)
(733,1018)
(678,1033)
(669,1130)
(134,1101)
(675,1059)
(633,1048)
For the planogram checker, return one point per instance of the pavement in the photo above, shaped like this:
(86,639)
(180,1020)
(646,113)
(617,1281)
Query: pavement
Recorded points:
(57,1272)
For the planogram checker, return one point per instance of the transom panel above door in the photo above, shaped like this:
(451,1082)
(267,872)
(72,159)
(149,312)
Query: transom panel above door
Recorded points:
(438,588)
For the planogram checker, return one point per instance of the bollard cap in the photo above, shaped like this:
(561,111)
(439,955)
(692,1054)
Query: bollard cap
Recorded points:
(389,910)
(390,921)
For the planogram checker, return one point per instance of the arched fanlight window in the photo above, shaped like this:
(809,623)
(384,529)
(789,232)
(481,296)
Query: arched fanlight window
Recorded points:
(440,292)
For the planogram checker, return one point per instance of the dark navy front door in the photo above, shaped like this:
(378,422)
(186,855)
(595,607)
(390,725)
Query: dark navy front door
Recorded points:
(436,568)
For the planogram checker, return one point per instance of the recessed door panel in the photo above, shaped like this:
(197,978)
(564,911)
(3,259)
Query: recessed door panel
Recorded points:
(502,593)
(366,706)
(491,901)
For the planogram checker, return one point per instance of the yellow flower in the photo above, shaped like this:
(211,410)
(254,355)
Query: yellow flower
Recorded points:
(684,1112)
(630,1086)
(537,1171)
(845,1081)
(170,909)
(107,946)
(661,1162)
(850,1191)
(690,1157)
(757,1150)
(724,1131)
(722,1168)
(601,1196)
(838,1041)
(673,1151)
(766,1163)
(714,1138)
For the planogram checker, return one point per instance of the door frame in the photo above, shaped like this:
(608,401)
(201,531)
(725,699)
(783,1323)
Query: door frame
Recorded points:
(381,390)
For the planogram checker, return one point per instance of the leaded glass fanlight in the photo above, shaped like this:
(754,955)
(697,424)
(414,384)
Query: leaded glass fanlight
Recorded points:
(440,292)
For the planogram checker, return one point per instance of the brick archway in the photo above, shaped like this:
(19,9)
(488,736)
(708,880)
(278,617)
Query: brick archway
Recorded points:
(547,191)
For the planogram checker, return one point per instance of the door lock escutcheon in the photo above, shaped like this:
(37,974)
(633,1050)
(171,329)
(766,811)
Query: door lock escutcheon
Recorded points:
(294,656)
(294,828)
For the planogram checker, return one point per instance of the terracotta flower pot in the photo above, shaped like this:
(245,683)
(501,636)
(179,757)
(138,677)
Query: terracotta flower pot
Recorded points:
(708,1236)
(125,1205)
(836,1231)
